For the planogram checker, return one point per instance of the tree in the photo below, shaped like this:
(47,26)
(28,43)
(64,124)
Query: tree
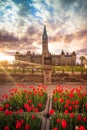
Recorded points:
(82,59)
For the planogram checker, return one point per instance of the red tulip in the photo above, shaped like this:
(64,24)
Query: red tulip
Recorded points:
(21,110)
(33,116)
(32,107)
(77,102)
(5,96)
(18,125)
(7,106)
(39,104)
(22,121)
(55,128)
(66,105)
(64,123)
(51,111)
(6,128)
(36,110)
(7,112)
(84,119)
(76,106)
(71,115)
(66,112)
(81,128)
(1,108)
(55,99)
(58,120)
(27,127)
(61,100)
(68,102)
(79,117)
(28,109)
(72,102)
(70,108)
(29,101)
(71,95)
(86,105)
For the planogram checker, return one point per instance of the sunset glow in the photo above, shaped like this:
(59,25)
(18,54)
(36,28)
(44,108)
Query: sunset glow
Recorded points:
(4,57)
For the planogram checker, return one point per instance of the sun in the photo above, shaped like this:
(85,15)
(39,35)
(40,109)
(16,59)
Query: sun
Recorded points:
(4,57)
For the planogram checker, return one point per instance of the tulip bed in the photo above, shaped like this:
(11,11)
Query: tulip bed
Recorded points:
(69,121)
(69,108)
(24,99)
(68,100)
(19,109)
(19,122)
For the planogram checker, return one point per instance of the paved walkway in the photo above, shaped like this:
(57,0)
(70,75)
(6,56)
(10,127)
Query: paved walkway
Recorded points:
(4,88)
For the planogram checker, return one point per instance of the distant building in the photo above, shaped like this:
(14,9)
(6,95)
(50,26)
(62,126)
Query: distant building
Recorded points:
(62,59)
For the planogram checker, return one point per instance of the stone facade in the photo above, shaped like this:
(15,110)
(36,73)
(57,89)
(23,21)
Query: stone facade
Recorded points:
(62,59)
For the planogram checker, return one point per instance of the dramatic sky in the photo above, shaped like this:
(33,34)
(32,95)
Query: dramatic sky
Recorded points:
(22,22)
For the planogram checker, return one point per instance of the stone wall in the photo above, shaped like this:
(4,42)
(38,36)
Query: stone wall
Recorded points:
(36,59)
(39,78)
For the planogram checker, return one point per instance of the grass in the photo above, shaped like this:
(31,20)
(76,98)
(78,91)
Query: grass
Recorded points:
(40,70)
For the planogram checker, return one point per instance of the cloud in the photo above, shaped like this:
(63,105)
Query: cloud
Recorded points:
(32,31)
(23,11)
(24,39)
(10,53)
(7,37)
(68,38)
(82,34)
(82,51)
(79,35)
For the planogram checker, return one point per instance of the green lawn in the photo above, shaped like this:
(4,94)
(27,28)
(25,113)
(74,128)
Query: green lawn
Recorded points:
(40,70)
(69,68)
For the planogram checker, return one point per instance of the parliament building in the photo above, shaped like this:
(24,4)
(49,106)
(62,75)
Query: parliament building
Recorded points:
(46,57)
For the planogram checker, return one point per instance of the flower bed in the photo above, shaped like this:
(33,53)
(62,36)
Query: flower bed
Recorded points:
(70,121)
(25,99)
(68,109)
(20,122)
(68,100)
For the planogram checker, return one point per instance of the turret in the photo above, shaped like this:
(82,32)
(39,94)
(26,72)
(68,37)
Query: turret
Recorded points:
(62,58)
(73,53)
(17,56)
(62,53)
(28,53)
(28,56)
(73,59)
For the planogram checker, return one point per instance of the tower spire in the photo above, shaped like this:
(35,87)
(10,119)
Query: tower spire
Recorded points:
(45,33)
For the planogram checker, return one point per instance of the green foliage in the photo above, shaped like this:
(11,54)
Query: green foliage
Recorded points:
(71,99)
(69,68)
(32,97)
(72,122)
(11,121)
